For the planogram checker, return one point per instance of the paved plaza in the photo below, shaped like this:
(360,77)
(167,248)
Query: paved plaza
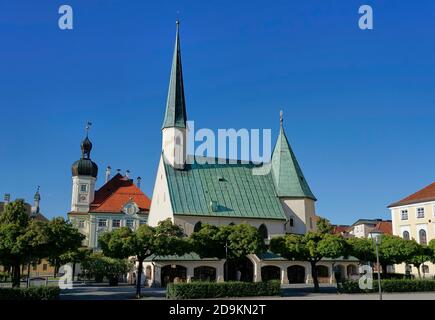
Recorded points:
(290,292)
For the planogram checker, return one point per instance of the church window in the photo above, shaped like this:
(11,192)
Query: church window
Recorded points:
(420,212)
(423,238)
(83,188)
(116,223)
(81,224)
(197,226)
(263,231)
(292,223)
(406,235)
(404,214)
(425,268)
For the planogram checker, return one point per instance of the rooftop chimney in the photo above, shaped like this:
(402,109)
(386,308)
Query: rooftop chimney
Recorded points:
(138,182)
(108,173)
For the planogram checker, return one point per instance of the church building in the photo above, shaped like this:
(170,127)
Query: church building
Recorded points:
(193,191)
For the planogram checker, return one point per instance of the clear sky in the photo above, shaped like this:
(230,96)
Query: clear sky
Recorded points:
(359,106)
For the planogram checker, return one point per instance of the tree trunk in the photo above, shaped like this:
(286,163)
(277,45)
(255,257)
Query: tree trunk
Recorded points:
(28,276)
(139,277)
(16,275)
(73,270)
(314,275)
(418,270)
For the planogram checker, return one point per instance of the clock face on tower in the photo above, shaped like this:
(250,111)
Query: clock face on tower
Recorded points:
(83,198)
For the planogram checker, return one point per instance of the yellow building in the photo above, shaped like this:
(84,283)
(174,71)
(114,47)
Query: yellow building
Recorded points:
(413,217)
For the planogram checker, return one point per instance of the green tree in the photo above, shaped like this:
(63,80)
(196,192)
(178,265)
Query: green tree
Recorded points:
(233,242)
(417,254)
(311,247)
(323,226)
(165,239)
(362,248)
(75,257)
(62,237)
(100,266)
(22,240)
(431,247)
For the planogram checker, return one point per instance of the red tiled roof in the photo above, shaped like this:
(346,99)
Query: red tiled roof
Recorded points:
(425,194)
(113,195)
(339,229)
(385,227)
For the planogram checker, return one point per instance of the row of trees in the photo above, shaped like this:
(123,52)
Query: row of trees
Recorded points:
(25,241)
(234,242)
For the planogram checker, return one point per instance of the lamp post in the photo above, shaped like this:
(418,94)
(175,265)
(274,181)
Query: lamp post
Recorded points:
(226,259)
(376,236)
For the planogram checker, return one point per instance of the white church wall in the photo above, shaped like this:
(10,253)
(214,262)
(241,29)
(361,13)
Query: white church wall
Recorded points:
(161,207)
(274,227)
(302,211)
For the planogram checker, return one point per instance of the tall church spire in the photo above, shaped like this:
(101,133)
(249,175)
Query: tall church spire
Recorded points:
(175,115)
(287,174)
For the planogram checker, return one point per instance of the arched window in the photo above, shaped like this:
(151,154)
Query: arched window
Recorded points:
(425,268)
(405,235)
(263,231)
(197,226)
(422,236)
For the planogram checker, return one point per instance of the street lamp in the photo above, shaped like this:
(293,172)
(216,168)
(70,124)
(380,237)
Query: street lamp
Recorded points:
(377,238)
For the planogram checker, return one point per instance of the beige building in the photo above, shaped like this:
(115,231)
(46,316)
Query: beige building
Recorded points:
(413,217)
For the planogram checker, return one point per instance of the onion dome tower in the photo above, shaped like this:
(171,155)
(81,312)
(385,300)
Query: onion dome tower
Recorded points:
(84,175)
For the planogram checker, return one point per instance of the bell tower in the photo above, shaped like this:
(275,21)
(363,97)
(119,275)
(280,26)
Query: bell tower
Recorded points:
(174,124)
(84,175)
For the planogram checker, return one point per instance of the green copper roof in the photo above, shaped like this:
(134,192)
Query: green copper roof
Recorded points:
(175,115)
(223,190)
(287,175)
(192,256)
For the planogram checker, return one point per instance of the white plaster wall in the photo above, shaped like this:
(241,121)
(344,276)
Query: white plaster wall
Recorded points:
(301,210)
(274,227)
(161,207)
(77,206)
(174,152)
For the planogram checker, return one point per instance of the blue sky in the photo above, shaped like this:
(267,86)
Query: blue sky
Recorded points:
(359,106)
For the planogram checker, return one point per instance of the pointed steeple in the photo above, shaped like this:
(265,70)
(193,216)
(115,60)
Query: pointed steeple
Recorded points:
(286,172)
(175,115)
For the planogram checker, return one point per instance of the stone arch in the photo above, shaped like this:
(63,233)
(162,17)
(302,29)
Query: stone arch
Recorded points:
(340,272)
(148,273)
(296,274)
(204,273)
(322,271)
(270,272)
(352,270)
(173,273)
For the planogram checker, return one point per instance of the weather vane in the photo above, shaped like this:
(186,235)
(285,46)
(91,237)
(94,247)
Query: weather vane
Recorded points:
(88,126)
